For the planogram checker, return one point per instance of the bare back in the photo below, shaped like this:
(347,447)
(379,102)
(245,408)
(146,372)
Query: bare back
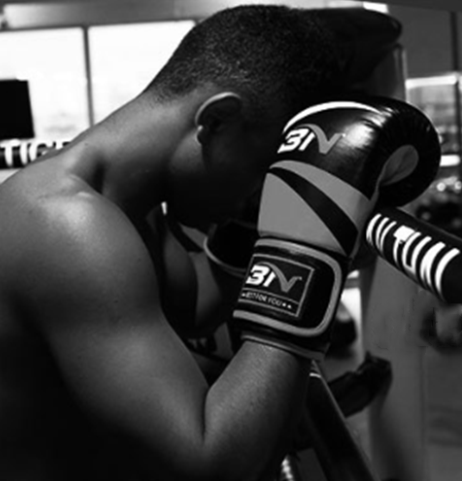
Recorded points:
(44,433)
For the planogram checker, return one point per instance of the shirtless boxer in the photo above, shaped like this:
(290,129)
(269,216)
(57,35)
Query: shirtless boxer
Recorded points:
(95,384)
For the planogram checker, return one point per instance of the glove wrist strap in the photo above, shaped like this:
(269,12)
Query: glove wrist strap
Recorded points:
(291,288)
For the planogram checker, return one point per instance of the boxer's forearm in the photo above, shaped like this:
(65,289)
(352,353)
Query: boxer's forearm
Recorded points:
(252,410)
(238,429)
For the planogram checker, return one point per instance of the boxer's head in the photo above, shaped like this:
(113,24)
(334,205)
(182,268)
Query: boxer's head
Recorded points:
(252,67)
(272,56)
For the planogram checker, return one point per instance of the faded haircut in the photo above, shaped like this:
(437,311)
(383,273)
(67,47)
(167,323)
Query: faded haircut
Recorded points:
(266,53)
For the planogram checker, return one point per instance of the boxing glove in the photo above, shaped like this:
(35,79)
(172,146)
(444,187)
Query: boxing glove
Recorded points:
(336,161)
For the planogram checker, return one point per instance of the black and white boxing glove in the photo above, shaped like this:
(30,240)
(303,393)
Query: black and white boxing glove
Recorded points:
(336,161)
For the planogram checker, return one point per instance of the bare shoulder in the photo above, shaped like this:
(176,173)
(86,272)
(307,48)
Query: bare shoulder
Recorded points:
(68,245)
(68,217)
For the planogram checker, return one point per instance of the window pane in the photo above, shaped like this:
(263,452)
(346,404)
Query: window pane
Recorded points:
(53,63)
(125,58)
(436,97)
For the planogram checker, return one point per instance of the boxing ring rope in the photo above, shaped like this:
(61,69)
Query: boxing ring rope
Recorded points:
(422,252)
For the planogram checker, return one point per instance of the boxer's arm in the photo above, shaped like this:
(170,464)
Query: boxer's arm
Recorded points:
(207,292)
(131,373)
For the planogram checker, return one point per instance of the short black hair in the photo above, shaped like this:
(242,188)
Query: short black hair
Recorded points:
(267,53)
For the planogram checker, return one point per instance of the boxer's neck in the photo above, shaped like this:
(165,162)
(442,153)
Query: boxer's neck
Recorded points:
(126,157)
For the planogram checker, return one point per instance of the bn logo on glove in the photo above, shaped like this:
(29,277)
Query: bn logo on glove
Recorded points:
(279,283)
(283,281)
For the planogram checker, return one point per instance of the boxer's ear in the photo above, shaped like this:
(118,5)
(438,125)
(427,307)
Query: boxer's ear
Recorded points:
(217,113)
